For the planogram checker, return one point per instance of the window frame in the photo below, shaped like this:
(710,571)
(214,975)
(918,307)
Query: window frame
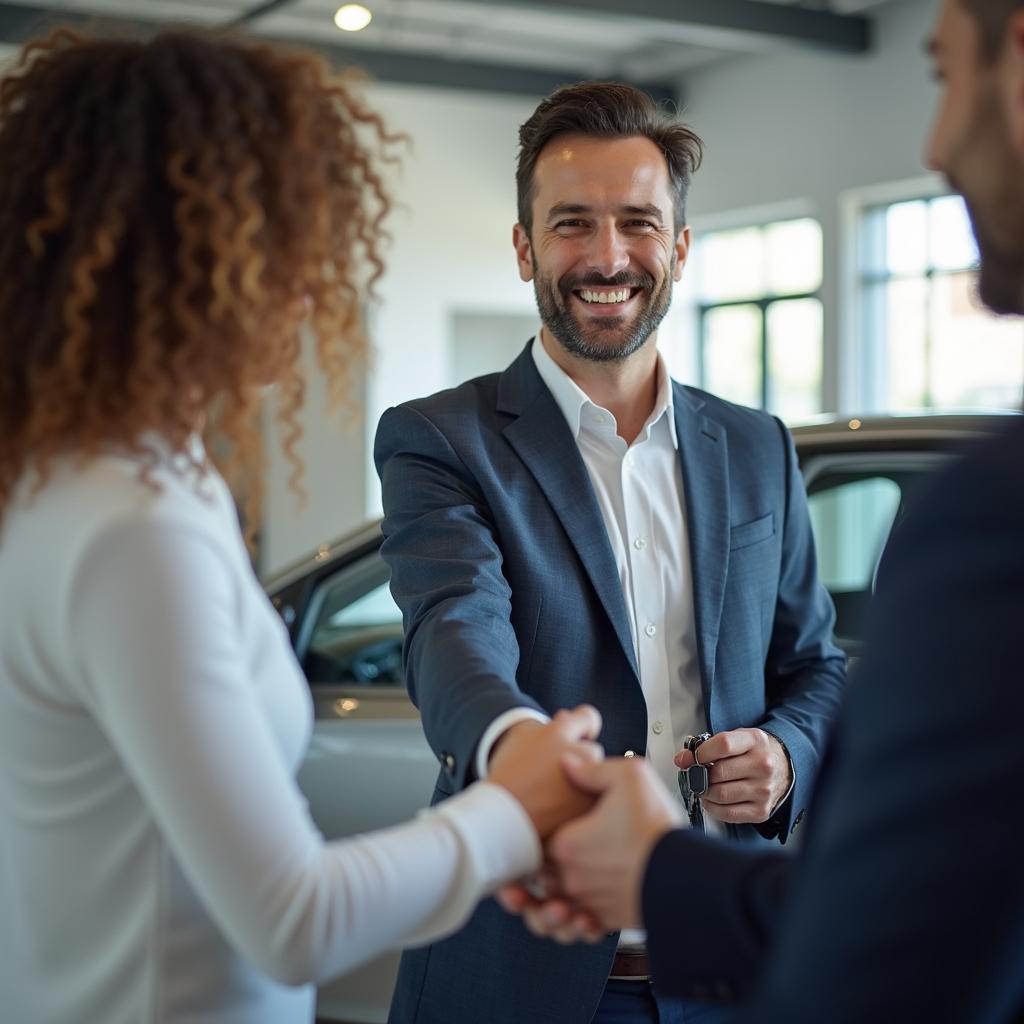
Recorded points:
(761,222)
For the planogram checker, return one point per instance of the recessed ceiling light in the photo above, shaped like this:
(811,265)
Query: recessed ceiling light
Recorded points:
(353,17)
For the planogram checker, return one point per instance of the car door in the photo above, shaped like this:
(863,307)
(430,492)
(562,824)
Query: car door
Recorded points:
(368,765)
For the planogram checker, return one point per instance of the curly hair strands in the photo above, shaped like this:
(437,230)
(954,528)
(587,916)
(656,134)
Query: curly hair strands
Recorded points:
(607,110)
(168,211)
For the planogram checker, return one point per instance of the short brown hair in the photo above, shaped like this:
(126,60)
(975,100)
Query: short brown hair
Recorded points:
(607,110)
(991,17)
(165,208)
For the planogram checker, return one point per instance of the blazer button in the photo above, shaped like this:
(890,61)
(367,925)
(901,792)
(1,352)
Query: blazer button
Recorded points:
(629,753)
(448,760)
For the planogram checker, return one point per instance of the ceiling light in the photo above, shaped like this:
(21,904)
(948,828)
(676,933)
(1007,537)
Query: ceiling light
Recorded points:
(353,17)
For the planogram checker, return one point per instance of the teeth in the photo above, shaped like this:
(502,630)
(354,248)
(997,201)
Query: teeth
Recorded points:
(618,296)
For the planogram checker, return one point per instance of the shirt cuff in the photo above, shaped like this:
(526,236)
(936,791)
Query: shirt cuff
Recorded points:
(495,730)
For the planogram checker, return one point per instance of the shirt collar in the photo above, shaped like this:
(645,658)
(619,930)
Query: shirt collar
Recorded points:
(572,400)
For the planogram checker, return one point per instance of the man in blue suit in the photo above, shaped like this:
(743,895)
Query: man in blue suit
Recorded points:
(907,902)
(581,528)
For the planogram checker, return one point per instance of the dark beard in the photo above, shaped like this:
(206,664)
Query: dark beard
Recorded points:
(623,340)
(996,210)
(1000,275)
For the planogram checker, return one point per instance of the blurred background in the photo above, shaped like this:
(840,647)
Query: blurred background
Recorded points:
(830,272)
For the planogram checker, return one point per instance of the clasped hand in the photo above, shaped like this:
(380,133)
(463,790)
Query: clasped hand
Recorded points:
(593,878)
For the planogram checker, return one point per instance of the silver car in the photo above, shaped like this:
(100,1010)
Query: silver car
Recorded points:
(369,765)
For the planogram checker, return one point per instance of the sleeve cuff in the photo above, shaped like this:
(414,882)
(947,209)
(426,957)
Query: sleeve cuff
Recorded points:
(497,844)
(500,725)
(496,831)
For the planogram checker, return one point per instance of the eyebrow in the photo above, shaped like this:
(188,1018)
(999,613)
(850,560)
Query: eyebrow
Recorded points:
(566,209)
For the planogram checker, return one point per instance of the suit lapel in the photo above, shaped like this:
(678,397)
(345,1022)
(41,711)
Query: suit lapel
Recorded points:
(703,453)
(543,441)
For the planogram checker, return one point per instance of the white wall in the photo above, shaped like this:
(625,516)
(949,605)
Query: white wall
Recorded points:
(796,131)
(451,254)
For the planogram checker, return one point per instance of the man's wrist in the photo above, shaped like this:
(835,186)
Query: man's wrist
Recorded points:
(497,730)
(789,767)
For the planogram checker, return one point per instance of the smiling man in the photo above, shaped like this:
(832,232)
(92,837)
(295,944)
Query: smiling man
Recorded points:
(907,901)
(583,528)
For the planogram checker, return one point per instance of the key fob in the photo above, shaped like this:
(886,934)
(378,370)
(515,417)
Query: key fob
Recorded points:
(697,779)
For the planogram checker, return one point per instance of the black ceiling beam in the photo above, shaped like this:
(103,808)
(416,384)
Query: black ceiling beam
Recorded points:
(849,33)
(456,73)
(259,11)
(18,23)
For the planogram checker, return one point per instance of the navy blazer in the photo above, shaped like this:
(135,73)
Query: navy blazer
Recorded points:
(503,570)
(907,902)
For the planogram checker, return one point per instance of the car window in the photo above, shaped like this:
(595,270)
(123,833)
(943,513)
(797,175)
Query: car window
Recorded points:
(355,636)
(854,502)
(852,520)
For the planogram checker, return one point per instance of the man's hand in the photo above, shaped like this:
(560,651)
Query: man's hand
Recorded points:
(749,777)
(601,857)
(526,760)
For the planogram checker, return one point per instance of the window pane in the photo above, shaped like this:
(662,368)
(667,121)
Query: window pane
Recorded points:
(731,265)
(794,256)
(976,359)
(852,520)
(732,353)
(851,523)
(357,633)
(951,241)
(906,305)
(906,237)
(794,358)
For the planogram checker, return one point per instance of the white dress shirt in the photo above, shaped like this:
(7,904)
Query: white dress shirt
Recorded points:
(157,862)
(639,489)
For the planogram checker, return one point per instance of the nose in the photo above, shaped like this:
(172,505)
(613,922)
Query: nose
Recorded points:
(608,251)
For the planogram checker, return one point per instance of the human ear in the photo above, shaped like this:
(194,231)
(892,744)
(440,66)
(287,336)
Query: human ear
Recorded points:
(524,252)
(682,247)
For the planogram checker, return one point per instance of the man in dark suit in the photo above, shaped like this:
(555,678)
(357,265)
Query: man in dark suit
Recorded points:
(907,902)
(580,528)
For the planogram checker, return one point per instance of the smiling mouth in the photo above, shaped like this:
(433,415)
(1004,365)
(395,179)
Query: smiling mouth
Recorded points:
(605,296)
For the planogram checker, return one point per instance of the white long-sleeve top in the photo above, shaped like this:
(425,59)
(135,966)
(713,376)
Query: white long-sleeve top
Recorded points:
(157,861)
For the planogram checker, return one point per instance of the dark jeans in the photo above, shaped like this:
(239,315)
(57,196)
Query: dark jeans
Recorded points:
(634,1002)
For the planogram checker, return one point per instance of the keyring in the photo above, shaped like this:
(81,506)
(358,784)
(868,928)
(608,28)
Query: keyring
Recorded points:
(692,743)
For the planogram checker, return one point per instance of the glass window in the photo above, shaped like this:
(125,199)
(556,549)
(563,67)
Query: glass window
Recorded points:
(927,341)
(761,317)
(852,515)
(854,502)
(356,636)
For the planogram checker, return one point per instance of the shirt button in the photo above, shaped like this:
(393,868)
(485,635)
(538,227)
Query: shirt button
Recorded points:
(599,419)
(650,629)
(657,728)
(640,543)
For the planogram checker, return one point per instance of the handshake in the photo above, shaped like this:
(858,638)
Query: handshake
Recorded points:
(599,819)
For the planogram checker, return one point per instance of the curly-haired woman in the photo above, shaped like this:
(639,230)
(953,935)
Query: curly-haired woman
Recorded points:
(170,213)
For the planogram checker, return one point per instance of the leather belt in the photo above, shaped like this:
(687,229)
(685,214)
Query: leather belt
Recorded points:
(630,965)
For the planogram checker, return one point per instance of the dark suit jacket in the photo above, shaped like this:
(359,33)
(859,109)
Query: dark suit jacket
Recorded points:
(503,569)
(907,902)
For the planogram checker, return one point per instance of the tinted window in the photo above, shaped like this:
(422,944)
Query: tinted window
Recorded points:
(854,503)
(356,634)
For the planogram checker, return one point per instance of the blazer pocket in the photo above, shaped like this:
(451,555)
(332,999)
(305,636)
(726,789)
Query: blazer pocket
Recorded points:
(757,530)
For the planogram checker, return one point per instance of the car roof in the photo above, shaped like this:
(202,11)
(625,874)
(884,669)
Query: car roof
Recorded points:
(824,433)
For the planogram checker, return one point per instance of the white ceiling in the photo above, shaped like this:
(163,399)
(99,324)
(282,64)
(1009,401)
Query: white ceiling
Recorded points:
(498,34)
